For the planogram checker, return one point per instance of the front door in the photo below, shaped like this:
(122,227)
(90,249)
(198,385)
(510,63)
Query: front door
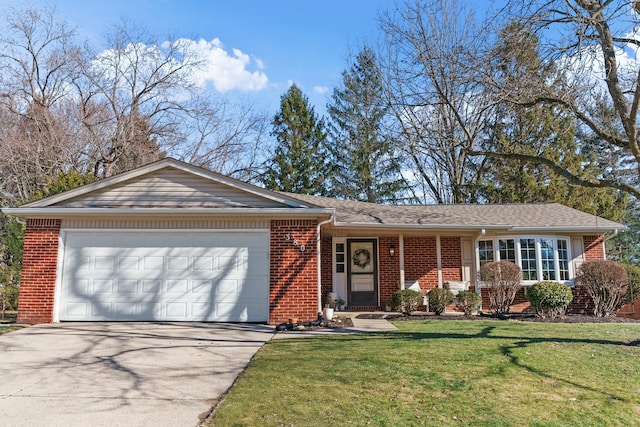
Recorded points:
(362,272)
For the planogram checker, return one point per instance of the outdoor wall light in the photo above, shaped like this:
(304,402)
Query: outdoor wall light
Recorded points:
(392,250)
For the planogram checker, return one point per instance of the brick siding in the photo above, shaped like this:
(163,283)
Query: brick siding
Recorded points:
(389,273)
(593,248)
(451,256)
(39,265)
(293,273)
(420,261)
(326,258)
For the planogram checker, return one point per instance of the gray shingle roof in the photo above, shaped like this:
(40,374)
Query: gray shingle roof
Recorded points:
(471,216)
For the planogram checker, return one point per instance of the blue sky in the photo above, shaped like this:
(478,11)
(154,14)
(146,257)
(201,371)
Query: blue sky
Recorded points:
(279,41)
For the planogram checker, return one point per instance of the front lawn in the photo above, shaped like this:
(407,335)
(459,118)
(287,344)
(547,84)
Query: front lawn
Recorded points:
(430,373)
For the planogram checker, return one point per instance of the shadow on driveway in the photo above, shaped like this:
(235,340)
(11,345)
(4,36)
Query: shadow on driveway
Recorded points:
(121,374)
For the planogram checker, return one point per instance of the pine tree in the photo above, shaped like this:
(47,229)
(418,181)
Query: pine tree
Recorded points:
(542,131)
(299,162)
(365,166)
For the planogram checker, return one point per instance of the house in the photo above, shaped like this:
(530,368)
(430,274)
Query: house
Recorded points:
(174,242)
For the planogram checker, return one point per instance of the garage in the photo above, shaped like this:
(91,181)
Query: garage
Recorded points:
(211,276)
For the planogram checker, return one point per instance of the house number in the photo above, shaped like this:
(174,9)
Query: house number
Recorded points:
(295,242)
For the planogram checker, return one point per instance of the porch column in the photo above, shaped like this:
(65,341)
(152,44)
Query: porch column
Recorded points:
(401,256)
(439,260)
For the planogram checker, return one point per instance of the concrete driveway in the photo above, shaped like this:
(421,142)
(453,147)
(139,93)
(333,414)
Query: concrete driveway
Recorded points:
(121,374)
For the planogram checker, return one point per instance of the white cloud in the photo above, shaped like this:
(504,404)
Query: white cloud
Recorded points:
(227,71)
(321,89)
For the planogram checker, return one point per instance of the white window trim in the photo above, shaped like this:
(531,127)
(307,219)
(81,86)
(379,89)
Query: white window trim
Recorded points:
(538,248)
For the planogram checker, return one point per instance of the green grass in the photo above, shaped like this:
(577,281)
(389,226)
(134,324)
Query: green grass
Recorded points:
(433,373)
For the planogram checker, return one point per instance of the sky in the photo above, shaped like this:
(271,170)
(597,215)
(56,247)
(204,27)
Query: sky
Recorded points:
(256,48)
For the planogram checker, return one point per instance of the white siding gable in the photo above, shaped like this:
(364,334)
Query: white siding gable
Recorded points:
(168,188)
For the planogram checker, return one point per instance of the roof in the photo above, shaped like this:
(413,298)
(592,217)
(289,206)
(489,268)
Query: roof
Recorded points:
(171,187)
(514,217)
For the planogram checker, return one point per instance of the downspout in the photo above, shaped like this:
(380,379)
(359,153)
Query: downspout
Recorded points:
(610,236)
(318,251)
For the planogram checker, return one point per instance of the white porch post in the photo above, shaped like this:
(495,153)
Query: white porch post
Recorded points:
(439,259)
(401,256)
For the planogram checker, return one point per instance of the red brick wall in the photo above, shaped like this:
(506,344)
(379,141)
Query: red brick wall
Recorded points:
(39,265)
(326,267)
(293,274)
(593,248)
(451,255)
(389,268)
(420,261)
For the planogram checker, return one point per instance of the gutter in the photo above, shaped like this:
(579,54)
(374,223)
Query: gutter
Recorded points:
(464,227)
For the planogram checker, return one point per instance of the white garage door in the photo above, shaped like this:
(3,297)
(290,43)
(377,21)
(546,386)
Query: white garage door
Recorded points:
(182,276)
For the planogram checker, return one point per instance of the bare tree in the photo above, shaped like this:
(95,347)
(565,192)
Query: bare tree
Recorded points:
(431,61)
(132,95)
(35,140)
(593,44)
(224,137)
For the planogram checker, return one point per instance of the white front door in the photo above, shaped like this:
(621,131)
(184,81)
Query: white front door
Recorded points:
(165,276)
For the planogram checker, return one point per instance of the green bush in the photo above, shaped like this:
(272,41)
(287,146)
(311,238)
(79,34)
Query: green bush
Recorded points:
(607,283)
(406,301)
(439,298)
(549,298)
(467,301)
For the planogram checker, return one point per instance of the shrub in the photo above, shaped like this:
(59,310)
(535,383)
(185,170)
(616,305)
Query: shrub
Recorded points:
(406,301)
(550,299)
(503,280)
(468,301)
(607,283)
(439,298)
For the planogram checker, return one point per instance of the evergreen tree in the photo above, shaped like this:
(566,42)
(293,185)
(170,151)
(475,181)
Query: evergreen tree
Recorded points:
(299,162)
(365,166)
(539,131)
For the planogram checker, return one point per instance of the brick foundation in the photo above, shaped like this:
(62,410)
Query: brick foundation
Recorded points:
(293,273)
(39,265)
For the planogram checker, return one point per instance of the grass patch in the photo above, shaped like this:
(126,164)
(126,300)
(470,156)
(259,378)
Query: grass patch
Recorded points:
(481,373)
(9,328)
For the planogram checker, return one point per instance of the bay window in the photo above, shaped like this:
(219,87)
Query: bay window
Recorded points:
(539,257)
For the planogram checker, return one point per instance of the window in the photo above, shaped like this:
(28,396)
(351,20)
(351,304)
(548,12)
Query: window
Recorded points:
(539,257)
(339,257)
(507,249)
(485,250)
(528,257)
(548,259)
(563,259)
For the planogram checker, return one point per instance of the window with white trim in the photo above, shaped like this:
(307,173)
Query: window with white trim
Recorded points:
(539,257)
(507,248)
(528,259)
(485,251)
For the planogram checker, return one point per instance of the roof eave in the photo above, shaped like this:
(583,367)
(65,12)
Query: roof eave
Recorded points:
(28,213)
(598,229)
(461,227)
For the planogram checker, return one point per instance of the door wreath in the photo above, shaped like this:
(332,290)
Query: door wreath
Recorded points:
(362,258)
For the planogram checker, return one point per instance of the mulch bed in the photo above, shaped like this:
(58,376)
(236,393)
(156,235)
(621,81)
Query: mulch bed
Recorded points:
(523,317)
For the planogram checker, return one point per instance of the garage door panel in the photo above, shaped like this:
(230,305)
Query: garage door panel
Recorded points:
(225,281)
